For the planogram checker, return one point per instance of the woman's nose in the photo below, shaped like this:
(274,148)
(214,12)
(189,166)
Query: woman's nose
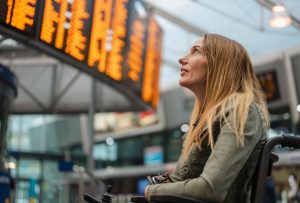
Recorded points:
(183,60)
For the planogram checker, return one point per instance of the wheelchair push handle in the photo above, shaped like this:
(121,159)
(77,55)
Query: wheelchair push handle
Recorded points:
(106,197)
(90,199)
(291,141)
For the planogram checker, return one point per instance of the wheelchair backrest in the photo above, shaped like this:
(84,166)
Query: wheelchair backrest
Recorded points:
(267,158)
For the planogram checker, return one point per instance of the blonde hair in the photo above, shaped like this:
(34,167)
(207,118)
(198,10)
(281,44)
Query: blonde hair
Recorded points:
(231,87)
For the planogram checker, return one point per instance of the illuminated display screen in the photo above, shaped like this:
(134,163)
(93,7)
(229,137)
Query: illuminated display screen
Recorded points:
(100,38)
(150,92)
(135,49)
(65,26)
(116,40)
(269,84)
(110,38)
(20,15)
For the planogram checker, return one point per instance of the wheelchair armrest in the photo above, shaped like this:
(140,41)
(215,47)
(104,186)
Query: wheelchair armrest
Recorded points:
(138,199)
(174,199)
(165,199)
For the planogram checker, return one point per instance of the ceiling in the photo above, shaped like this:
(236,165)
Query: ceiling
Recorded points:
(58,88)
(244,21)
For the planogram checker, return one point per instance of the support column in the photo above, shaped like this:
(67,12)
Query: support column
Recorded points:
(90,158)
(292,91)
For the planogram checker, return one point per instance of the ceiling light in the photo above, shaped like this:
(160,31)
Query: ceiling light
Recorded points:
(109,141)
(280,17)
(10,165)
(298,107)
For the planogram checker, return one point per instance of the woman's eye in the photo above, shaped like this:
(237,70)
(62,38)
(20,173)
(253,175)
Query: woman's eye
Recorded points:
(196,51)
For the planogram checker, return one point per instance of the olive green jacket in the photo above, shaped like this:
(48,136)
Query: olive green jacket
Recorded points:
(223,174)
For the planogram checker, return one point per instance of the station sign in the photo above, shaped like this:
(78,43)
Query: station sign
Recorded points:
(269,83)
(274,87)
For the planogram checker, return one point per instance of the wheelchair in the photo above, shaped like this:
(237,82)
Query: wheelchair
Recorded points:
(262,172)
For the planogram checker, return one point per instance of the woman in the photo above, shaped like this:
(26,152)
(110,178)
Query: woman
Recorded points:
(227,128)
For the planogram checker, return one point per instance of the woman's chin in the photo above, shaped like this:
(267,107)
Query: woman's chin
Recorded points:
(185,84)
(182,83)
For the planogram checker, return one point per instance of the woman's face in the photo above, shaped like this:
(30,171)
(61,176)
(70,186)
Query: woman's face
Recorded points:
(193,69)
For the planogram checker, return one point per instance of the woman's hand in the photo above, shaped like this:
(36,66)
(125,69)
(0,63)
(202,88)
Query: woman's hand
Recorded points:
(146,191)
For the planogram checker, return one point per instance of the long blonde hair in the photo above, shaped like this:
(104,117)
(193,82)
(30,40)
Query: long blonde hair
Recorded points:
(231,87)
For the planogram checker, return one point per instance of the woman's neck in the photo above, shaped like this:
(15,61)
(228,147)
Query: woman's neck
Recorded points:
(200,94)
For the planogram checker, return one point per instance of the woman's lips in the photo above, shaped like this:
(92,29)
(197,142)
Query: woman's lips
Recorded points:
(183,71)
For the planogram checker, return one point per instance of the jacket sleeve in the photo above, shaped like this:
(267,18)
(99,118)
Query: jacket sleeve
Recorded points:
(222,167)
(175,176)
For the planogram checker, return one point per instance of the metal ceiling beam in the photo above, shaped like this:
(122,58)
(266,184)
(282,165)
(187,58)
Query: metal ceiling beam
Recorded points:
(174,19)
(64,90)
(269,4)
(34,61)
(32,96)
(2,39)
(54,85)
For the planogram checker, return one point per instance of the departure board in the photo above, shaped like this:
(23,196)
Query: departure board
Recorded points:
(150,91)
(109,39)
(101,35)
(20,15)
(116,40)
(65,26)
(135,49)
(269,84)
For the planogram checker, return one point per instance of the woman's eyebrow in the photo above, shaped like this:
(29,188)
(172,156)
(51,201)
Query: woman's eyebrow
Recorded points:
(196,46)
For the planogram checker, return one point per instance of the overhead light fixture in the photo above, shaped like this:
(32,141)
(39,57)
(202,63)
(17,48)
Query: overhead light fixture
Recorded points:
(10,165)
(280,17)
(298,107)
